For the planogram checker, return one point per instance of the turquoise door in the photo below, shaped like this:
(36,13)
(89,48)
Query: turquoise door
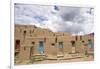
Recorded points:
(90,44)
(41,47)
(60,51)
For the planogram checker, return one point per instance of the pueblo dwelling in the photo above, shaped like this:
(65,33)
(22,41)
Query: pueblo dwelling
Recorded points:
(31,41)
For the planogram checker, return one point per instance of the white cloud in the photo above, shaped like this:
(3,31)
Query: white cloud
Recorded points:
(74,20)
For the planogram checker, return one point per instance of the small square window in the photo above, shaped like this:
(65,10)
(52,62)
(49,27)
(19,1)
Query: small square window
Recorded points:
(24,31)
(83,41)
(33,42)
(73,43)
(24,48)
(53,44)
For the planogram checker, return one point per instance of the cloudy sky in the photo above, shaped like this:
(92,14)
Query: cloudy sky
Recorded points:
(75,20)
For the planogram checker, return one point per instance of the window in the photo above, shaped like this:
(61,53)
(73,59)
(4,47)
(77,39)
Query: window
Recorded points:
(80,37)
(24,31)
(90,43)
(73,43)
(24,34)
(89,40)
(33,43)
(41,43)
(17,44)
(44,39)
(16,54)
(24,48)
(83,41)
(56,40)
(53,44)
(60,44)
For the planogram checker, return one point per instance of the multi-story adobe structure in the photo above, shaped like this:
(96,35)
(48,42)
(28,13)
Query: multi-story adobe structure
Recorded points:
(31,40)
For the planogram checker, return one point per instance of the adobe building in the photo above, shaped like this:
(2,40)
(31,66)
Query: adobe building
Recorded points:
(31,40)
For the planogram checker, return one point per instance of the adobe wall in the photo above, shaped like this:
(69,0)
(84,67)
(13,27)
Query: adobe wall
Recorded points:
(34,35)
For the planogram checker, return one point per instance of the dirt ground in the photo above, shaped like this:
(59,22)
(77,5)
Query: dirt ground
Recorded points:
(65,59)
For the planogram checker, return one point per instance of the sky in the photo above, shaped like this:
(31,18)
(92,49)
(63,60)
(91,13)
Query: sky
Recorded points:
(75,20)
